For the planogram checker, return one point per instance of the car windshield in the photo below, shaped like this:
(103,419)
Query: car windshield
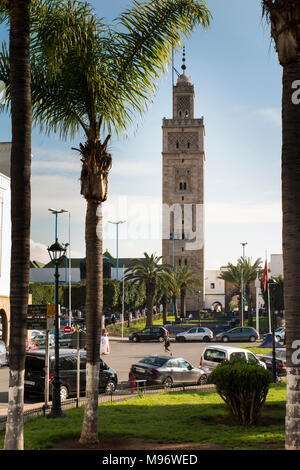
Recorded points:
(154,361)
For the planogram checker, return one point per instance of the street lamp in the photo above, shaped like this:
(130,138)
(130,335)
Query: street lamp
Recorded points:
(198,292)
(117,227)
(55,252)
(272,283)
(173,237)
(243,284)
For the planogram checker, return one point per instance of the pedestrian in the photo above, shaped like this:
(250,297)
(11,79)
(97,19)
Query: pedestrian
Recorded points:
(104,345)
(167,344)
(132,379)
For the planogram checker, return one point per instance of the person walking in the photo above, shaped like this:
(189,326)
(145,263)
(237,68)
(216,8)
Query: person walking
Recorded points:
(104,345)
(167,344)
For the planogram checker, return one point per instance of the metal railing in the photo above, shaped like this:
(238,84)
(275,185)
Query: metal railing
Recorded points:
(123,392)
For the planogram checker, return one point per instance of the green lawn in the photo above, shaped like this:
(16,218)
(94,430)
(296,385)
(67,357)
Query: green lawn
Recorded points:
(190,416)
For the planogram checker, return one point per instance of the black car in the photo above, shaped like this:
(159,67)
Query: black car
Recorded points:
(65,340)
(34,381)
(167,371)
(149,334)
(280,356)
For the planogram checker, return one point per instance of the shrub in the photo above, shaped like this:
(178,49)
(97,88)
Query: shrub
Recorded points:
(243,387)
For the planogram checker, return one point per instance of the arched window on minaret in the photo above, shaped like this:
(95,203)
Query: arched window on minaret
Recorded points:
(186,114)
(177,144)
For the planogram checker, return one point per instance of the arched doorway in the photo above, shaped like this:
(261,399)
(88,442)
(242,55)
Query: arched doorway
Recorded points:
(216,307)
(4,326)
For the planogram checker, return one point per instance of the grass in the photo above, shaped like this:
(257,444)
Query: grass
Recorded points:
(190,416)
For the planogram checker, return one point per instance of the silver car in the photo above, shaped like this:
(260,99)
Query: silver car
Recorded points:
(167,371)
(213,355)
(195,333)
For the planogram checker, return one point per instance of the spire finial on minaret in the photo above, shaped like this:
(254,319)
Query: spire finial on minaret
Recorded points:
(183,67)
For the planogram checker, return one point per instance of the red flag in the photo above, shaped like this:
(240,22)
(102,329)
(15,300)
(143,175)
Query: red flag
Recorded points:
(265,276)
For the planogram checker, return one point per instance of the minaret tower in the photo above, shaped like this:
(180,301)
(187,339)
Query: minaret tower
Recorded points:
(183,186)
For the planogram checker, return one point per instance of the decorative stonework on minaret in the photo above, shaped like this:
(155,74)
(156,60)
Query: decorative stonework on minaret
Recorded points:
(183,185)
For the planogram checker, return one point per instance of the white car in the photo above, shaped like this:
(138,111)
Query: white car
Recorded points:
(196,333)
(213,355)
(35,333)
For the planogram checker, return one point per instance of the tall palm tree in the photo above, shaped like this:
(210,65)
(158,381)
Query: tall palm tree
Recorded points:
(20,95)
(283,16)
(150,272)
(244,269)
(165,292)
(96,79)
(187,282)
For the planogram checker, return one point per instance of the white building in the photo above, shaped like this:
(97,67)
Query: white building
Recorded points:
(214,295)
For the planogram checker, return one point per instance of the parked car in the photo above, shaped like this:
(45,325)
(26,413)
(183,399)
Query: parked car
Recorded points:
(149,334)
(3,354)
(280,356)
(65,340)
(35,333)
(34,381)
(213,355)
(279,334)
(246,333)
(196,333)
(163,370)
(40,341)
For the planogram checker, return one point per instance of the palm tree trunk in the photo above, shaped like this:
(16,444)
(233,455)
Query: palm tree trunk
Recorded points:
(291,248)
(183,303)
(20,215)
(165,313)
(174,299)
(94,300)
(150,292)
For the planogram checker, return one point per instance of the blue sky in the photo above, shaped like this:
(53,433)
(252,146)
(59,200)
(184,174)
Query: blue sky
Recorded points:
(237,80)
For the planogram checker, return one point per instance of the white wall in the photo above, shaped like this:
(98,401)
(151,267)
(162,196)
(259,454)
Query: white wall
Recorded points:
(46,275)
(214,288)
(5,235)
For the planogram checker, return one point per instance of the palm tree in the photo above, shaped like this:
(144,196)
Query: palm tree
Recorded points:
(244,269)
(96,79)
(149,272)
(19,61)
(165,292)
(187,282)
(283,16)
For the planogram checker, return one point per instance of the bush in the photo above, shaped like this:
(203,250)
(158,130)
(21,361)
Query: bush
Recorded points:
(243,387)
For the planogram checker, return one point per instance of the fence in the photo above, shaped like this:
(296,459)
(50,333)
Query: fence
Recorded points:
(120,394)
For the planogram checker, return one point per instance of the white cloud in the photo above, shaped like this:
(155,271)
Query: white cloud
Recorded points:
(219,213)
(38,252)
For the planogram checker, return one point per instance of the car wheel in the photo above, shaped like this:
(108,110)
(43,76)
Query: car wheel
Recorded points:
(202,379)
(110,386)
(206,339)
(252,339)
(64,393)
(168,382)
(225,339)
(160,339)
(278,339)
(135,339)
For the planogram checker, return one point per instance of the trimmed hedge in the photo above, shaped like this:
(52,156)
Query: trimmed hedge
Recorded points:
(134,295)
(243,387)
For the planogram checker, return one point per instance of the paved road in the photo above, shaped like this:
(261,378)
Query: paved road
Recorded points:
(122,355)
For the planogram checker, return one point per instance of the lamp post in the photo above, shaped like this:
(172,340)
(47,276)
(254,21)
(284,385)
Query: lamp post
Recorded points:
(273,283)
(117,227)
(243,284)
(56,251)
(257,286)
(173,237)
